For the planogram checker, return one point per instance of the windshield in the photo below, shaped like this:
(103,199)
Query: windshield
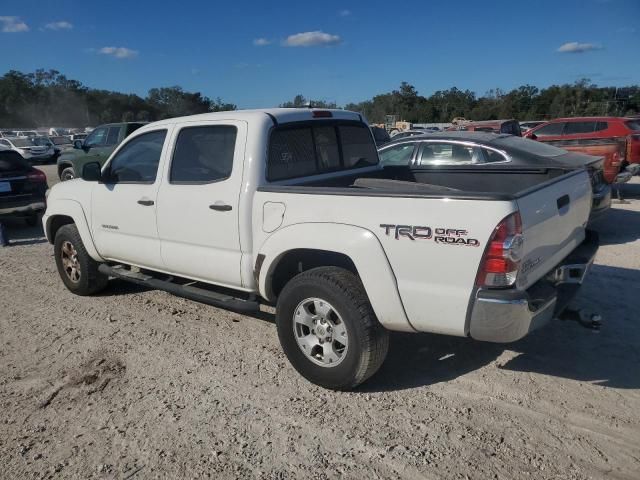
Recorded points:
(41,141)
(531,146)
(319,147)
(634,125)
(60,140)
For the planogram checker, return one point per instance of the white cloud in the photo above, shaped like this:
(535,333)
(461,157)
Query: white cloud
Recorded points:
(575,47)
(311,39)
(261,42)
(344,13)
(118,52)
(62,25)
(13,25)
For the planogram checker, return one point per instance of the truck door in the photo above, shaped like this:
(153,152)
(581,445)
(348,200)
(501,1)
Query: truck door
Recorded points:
(198,218)
(123,206)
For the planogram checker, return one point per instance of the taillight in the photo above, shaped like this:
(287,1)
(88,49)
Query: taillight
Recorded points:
(36,175)
(321,114)
(501,261)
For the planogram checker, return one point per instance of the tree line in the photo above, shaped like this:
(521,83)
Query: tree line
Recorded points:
(47,97)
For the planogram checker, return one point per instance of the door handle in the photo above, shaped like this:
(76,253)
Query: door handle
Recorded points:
(220,207)
(563,201)
(145,202)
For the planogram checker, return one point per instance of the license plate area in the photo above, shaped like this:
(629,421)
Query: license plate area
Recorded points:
(5,187)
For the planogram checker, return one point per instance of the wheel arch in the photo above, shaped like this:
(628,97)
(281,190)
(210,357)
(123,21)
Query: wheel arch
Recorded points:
(301,247)
(65,212)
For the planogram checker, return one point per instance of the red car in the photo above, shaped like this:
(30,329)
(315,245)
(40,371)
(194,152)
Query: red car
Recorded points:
(617,139)
(512,127)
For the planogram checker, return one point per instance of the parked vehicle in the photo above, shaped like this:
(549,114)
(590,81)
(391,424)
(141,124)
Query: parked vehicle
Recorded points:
(528,125)
(96,147)
(408,133)
(78,137)
(26,133)
(380,135)
(291,207)
(512,127)
(476,153)
(26,147)
(617,139)
(22,188)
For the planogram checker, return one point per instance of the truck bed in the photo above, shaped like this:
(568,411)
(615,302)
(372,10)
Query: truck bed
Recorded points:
(494,184)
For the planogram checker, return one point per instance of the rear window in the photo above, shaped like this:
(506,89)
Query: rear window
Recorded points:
(11,161)
(633,124)
(531,146)
(306,150)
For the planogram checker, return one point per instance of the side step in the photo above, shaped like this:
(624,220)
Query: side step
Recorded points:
(187,291)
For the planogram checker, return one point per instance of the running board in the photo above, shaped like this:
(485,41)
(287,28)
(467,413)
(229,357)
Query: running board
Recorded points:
(187,291)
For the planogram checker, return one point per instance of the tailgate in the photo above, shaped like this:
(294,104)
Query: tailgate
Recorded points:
(553,223)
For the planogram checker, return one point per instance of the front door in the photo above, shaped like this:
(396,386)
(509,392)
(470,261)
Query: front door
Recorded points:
(123,208)
(198,217)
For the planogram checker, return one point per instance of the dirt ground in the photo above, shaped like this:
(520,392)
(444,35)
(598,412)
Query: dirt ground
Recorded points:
(135,383)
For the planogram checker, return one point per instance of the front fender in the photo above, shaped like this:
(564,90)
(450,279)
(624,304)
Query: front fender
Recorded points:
(360,245)
(73,209)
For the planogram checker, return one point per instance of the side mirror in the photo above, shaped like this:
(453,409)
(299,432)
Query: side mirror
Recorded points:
(532,136)
(91,172)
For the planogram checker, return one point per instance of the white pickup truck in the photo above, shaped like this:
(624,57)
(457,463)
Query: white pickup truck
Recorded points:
(289,207)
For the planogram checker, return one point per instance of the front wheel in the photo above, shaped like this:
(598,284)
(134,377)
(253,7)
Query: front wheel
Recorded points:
(328,329)
(78,271)
(67,174)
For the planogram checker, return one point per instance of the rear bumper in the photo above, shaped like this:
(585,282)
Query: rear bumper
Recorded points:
(504,316)
(22,210)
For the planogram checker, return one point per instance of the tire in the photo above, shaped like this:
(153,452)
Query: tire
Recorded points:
(67,173)
(32,220)
(341,293)
(78,271)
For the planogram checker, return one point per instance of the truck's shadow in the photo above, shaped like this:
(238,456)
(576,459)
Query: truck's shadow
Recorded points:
(561,349)
(618,226)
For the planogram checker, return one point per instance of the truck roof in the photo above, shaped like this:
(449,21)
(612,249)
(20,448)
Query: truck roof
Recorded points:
(280,115)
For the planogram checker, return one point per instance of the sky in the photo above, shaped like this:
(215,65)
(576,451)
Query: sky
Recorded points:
(262,53)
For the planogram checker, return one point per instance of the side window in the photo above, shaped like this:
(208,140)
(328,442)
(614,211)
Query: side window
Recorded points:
(601,126)
(137,161)
(98,137)
(449,154)
(574,128)
(112,136)
(550,130)
(397,155)
(132,127)
(5,143)
(203,154)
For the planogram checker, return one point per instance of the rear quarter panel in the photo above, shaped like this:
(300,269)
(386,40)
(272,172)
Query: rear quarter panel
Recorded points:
(435,280)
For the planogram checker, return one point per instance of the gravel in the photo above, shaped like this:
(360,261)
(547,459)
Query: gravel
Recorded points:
(135,383)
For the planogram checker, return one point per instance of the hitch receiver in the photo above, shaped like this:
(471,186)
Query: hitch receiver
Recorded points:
(590,320)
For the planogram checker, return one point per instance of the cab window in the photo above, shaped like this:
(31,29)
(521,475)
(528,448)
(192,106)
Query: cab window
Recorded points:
(203,154)
(137,161)
(550,130)
(97,138)
(574,128)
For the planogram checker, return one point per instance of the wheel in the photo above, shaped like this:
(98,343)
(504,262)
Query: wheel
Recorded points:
(67,174)
(328,329)
(79,272)
(32,220)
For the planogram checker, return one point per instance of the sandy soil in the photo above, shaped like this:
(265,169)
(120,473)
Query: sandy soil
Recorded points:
(135,383)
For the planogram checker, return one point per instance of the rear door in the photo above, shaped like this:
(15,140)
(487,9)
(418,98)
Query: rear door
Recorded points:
(554,217)
(198,220)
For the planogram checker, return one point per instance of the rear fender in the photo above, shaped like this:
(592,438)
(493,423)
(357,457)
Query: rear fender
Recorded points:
(359,244)
(73,209)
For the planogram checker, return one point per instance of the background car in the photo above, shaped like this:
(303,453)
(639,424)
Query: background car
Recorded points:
(615,138)
(512,127)
(27,149)
(95,148)
(475,153)
(22,188)
(409,133)
(529,124)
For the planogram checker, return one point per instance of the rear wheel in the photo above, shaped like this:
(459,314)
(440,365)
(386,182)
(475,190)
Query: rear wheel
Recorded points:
(67,174)
(78,271)
(328,329)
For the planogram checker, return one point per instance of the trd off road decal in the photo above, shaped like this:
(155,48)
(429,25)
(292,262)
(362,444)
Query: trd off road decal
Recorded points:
(444,236)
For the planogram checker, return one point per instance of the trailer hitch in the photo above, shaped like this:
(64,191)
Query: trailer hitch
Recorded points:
(590,320)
